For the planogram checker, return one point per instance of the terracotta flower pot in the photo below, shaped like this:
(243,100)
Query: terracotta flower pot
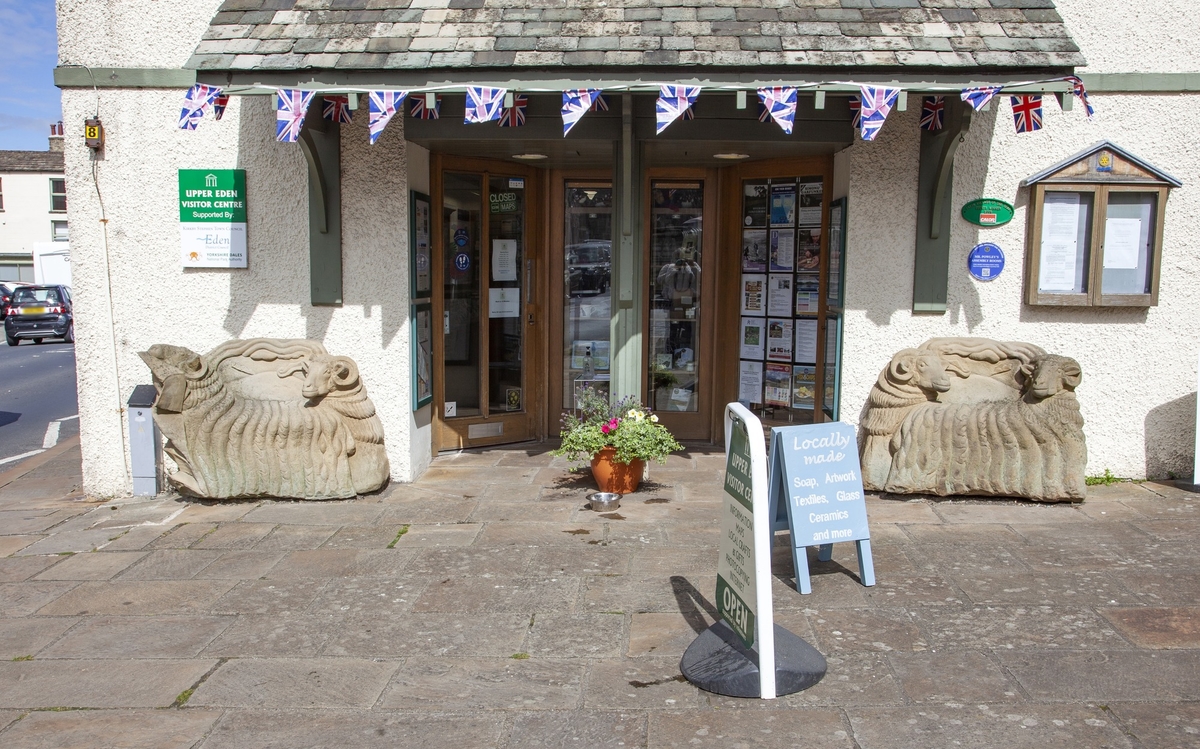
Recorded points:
(612,476)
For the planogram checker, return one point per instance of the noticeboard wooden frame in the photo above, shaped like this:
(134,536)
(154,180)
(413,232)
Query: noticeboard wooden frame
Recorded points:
(422,355)
(420,205)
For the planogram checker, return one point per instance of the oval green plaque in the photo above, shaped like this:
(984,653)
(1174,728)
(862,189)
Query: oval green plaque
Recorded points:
(988,212)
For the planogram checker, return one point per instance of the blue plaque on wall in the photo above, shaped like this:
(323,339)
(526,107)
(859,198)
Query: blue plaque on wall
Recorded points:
(985,261)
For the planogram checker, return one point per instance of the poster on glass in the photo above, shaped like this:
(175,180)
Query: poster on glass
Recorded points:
(754,205)
(422,385)
(783,204)
(754,294)
(806,340)
(809,212)
(779,339)
(777,385)
(753,338)
(779,294)
(808,249)
(804,387)
(754,250)
(807,293)
(783,249)
(750,382)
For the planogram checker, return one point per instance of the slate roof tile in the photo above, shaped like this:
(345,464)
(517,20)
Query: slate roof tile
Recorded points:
(31,161)
(407,34)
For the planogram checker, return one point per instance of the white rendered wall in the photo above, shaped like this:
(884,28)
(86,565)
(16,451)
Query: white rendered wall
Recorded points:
(1137,395)
(151,299)
(420,423)
(25,220)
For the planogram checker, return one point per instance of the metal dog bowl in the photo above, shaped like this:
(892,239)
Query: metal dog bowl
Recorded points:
(604,501)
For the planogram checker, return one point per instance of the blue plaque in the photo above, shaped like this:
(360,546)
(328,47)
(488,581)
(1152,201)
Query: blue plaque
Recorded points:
(985,261)
(817,494)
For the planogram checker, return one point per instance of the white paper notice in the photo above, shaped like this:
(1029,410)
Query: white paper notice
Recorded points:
(504,302)
(504,260)
(1060,242)
(754,294)
(779,294)
(753,344)
(1122,243)
(806,341)
(750,382)
(779,339)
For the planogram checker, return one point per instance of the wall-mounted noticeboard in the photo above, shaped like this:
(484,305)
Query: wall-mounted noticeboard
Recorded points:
(421,233)
(422,354)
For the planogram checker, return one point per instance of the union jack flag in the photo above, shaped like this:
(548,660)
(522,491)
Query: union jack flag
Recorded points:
(979,97)
(421,112)
(877,103)
(1081,92)
(764,114)
(514,116)
(576,103)
(856,111)
(599,104)
(484,104)
(688,114)
(219,104)
(383,106)
(1027,113)
(780,103)
(291,106)
(197,99)
(933,109)
(673,102)
(337,108)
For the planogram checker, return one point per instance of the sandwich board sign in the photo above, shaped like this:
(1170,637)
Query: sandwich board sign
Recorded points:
(744,654)
(817,494)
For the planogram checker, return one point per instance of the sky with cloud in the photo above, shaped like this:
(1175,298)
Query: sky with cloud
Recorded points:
(29,101)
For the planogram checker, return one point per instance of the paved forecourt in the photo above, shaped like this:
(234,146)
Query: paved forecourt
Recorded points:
(484,606)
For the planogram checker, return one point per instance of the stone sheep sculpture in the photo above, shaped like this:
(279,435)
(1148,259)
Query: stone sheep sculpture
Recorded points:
(1011,426)
(239,423)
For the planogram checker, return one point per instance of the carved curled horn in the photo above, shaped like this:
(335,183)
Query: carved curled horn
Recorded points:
(1072,373)
(345,371)
(901,367)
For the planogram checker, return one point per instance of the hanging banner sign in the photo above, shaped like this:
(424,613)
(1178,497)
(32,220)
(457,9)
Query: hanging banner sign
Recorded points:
(988,212)
(212,218)
(817,494)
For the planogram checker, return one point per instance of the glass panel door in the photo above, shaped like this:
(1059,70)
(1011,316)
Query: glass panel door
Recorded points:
(587,270)
(463,228)
(486,267)
(676,258)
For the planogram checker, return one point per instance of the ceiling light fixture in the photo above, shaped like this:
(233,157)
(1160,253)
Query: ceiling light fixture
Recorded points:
(529,156)
(731,156)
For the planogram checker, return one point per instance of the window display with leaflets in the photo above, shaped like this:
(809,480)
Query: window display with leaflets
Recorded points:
(791,296)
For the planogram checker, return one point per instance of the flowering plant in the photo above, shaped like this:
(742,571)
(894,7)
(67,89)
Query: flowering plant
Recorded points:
(626,425)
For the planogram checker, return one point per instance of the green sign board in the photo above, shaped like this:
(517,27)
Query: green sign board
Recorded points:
(988,212)
(212,218)
(213,196)
(504,202)
(736,584)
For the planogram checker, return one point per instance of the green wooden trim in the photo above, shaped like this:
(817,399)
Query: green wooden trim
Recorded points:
(625,328)
(934,188)
(1166,83)
(77,77)
(321,143)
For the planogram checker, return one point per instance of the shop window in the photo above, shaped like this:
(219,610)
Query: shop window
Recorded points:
(1095,231)
(58,231)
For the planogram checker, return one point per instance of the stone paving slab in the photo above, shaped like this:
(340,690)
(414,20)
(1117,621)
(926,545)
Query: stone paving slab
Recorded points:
(113,729)
(993,623)
(97,683)
(295,683)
